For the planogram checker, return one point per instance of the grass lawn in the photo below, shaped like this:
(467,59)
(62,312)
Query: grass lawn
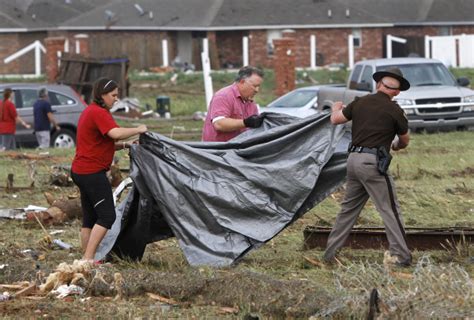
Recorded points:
(435,184)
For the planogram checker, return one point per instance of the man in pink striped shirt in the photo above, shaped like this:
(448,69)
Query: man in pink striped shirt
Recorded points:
(232,109)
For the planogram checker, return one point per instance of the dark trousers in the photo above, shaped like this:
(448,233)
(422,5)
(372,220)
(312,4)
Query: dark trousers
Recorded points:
(96,199)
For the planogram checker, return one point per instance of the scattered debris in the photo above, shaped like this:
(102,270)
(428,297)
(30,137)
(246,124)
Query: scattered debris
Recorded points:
(228,310)
(52,215)
(374,237)
(161,69)
(61,176)
(19,213)
(71,207)
(15,214)
(61,244)
(314,262)
(121,187)
(54,232)
(119,286)
(9,186)
(155,296)
(5,296)
(67,290)
(29,290)
(65,273)
(199,115)
(115,175)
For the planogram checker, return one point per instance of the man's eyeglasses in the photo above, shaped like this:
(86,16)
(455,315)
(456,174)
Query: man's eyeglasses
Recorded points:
(388,87)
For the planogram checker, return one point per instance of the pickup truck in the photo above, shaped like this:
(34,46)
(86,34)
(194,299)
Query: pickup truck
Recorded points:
(435,100)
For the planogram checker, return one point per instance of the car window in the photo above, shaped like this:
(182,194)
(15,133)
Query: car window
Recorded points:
(294,99)
(60,99)
(26,98)
(366,78)
(355,77)
(425,74)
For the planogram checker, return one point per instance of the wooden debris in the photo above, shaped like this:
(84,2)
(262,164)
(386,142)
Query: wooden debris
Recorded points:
(32,172)
(314,262)
(169,301)
(60,176)
(115,175)
(52,215)
(402,275)
(31,289)
(9,186)
(119,285)
(71,207)
(228,310)
(15,286)
(65,273)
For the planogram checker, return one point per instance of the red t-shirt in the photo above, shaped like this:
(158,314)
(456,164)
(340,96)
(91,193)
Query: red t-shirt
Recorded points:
(94,148)
(7,117)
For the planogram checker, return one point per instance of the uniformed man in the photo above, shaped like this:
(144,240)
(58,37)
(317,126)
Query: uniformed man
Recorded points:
(377,123)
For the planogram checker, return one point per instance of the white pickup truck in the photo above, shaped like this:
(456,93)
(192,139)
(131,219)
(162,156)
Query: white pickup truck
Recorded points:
(435,99)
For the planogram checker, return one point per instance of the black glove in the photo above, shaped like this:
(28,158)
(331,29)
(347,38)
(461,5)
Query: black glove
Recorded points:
(254,121)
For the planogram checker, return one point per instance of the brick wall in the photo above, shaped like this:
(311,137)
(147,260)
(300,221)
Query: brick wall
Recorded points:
(53,45)
(11,43)
(258,55)
(463,29)
(284,65)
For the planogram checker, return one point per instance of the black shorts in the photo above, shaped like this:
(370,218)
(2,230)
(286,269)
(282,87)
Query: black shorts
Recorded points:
(96,199)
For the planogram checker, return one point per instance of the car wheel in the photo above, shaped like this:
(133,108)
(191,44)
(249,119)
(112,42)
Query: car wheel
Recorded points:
(64,138)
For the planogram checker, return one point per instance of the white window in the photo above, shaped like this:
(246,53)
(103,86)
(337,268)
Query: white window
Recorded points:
(272,34)
(357,36)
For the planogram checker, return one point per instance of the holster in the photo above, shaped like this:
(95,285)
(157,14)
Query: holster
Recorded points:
(383,160)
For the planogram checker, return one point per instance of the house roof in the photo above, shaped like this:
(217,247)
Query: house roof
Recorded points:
(229,14)
(151,14)
(31,15)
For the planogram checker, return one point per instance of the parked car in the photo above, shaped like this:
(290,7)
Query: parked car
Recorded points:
(299,103)
(435,100)
(67,106)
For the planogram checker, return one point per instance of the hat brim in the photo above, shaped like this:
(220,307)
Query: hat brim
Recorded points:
(404,84)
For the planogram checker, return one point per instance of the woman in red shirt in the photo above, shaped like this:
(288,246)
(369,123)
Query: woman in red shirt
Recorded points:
(8,120)
(97,133)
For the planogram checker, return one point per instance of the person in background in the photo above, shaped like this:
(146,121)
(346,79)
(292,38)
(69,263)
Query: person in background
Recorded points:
(232,109)
(378,124)
(43,115)
(8,120)
(96,141)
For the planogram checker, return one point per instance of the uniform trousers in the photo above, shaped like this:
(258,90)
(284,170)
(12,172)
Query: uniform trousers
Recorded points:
(364,181)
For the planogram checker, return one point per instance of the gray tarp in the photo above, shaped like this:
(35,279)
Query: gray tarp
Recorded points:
(221,200)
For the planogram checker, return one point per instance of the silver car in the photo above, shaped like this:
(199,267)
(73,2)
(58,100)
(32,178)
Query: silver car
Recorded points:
(67,106)
(301,103)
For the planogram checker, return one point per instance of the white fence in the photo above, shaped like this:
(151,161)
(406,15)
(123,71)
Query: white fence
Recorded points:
(453,51)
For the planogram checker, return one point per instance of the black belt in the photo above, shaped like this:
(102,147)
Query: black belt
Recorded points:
(363,150)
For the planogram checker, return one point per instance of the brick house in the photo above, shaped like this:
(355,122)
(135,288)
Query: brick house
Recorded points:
(136,29)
